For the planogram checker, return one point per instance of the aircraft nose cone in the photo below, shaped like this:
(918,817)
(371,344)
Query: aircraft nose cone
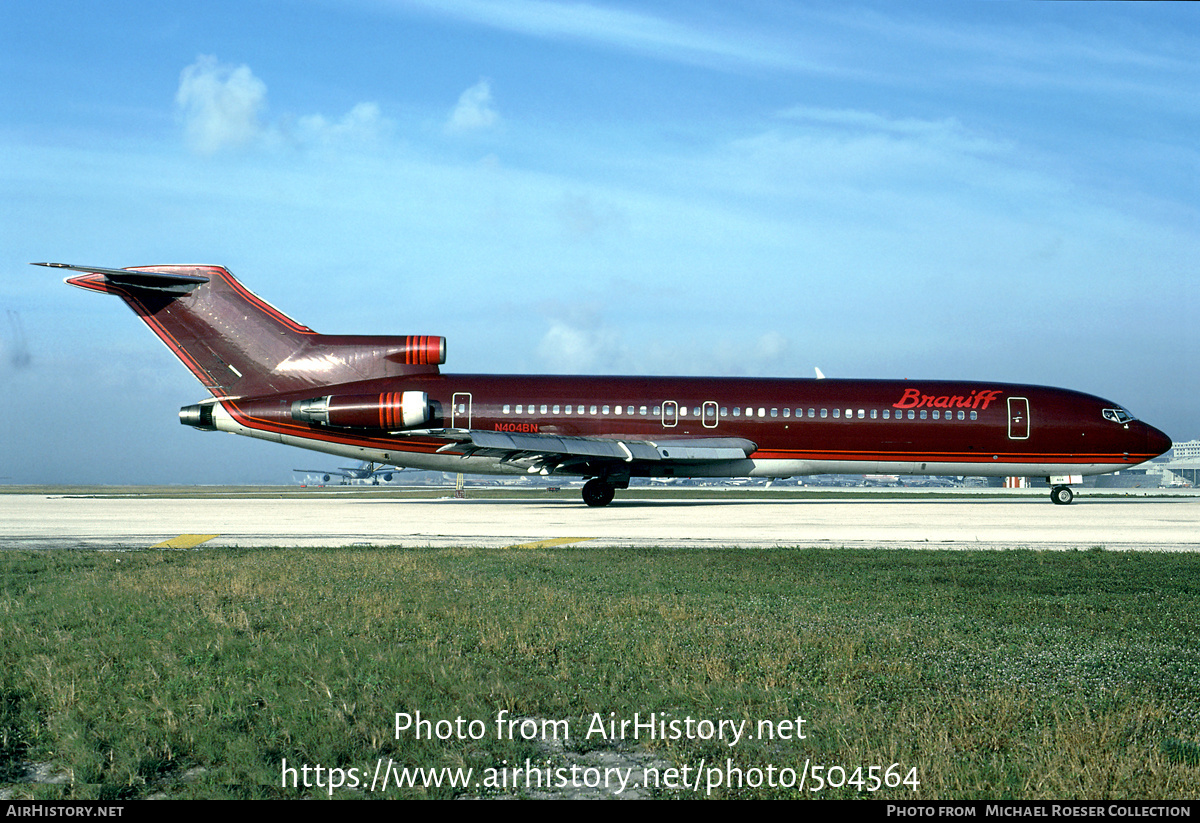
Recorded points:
(1156,441)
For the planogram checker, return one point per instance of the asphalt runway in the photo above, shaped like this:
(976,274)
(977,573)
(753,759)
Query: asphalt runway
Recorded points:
(49,521)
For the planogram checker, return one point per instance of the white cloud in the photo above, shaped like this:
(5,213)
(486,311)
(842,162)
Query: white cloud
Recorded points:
(571,347)
(220,105)
(362,124)
(474,110)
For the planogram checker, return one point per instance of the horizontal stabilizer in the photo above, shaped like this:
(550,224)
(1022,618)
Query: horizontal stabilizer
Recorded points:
(157,280)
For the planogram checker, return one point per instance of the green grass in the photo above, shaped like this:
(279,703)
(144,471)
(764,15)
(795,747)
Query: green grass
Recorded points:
(1014,674)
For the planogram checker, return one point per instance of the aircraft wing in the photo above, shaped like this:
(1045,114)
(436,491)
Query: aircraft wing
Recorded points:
(548,453)
(332,472)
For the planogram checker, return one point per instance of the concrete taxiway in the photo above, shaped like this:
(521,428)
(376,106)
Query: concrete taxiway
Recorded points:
(50,521)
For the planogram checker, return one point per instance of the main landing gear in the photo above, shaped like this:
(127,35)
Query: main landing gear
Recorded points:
(597,493)
(1062,495)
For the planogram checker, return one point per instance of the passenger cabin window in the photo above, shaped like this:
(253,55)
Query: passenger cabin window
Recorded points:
(1116,415)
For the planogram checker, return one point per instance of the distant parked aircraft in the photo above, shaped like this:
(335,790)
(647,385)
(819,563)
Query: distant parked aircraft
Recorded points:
(364,471)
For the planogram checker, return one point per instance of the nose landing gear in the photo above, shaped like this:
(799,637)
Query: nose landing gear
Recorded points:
(1061,495)
(1060,488)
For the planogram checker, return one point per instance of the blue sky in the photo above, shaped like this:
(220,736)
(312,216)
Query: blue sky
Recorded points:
(1002,191)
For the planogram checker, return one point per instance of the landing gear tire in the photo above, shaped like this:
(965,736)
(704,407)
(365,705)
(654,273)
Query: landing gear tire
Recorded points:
(597,493)
(1062,495)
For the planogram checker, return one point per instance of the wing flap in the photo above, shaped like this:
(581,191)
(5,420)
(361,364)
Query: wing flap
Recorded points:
(706,449)
(612,449)
(565,451)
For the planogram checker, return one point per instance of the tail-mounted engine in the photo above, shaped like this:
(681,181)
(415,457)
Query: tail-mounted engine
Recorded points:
(387,411)
(419,350)
(198,416)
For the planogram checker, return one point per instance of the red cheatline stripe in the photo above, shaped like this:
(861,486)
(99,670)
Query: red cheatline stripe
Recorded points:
(263,305)
(303,432)
(159,330)
(948,457)
(911,457)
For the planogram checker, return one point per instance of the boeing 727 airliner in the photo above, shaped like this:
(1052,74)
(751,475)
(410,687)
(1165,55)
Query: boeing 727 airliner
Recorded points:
(384,399)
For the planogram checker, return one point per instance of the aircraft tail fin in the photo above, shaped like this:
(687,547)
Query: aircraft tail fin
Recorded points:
(237,344)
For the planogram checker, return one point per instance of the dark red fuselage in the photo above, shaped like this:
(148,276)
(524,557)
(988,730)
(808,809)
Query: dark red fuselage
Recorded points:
(798,426)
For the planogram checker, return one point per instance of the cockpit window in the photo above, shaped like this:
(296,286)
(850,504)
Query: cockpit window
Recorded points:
(1117,415)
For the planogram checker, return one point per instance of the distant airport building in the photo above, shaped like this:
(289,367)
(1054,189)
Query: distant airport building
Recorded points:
(1189,450)
(1183,466)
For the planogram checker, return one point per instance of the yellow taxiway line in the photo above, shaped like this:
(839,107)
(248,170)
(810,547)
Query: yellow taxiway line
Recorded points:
(185,541)
(557,541)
